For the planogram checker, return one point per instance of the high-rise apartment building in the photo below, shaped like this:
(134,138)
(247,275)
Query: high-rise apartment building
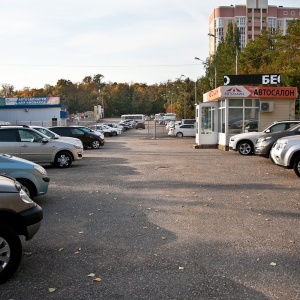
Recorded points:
(251,19)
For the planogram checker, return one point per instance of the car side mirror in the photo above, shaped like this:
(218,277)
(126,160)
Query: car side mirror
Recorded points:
(268,131)
(44,140)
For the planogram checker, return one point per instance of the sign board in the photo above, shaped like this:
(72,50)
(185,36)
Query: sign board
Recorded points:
(254,92)
(252,79)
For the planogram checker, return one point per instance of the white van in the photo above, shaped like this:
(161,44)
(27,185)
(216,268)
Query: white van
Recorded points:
(168,117)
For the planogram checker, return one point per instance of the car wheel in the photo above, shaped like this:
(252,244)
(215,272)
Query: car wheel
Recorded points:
(179,134)
(115,133)
(95,144)
(245,148)
(10,252)
(296,166)
(63,160)
(28,188)
(106,134)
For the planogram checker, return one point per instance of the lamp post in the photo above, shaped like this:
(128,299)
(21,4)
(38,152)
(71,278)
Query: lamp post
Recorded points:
(197,58)
(184,101)
(102,113)
(236,52)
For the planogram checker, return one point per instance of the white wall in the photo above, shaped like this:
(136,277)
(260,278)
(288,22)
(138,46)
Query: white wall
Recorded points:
(34,116)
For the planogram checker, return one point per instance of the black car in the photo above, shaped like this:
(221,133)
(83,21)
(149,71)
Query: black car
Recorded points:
(264,143)
(89,139)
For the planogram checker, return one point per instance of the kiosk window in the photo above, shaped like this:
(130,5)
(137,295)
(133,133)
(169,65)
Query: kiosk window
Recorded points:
(236,102)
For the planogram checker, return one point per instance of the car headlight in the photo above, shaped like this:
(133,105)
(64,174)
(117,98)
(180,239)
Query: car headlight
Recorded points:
(263,139)
(41,170)
(25,197)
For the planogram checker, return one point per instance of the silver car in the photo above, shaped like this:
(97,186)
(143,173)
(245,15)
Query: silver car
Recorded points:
(19,215)
(286,153)
(27,143)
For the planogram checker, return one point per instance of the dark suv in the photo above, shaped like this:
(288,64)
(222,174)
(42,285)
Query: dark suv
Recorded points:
(265,143)
(89,139)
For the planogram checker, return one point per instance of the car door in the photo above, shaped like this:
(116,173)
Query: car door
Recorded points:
(9,141)
(33,148)
(80,134)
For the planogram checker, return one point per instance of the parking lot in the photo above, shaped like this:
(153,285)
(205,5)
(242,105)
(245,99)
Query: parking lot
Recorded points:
(150,217)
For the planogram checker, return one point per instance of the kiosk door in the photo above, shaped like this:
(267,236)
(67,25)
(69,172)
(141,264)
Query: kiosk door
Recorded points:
(207,124)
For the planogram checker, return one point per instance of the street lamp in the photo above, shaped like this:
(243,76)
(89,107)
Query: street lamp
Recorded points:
(184,101)
(236,52)
(197,58)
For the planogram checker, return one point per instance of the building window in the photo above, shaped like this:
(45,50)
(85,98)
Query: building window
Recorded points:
(271,22)
(219,23)
(240,21)
(292,13)
(285,13)
(279,23)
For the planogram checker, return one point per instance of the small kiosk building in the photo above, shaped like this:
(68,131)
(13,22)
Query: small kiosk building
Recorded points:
(226,109)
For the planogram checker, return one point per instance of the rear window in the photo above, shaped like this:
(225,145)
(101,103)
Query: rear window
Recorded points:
(8,135)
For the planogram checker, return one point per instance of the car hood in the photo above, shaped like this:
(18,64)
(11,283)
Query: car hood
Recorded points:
(10,158)
(249,135)
(279,134)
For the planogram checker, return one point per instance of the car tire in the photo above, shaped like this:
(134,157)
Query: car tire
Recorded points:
(179,134)
(10,252)
(63,160)
(114,133)
(245,148)
(296,166)
(95,144)
(27,187)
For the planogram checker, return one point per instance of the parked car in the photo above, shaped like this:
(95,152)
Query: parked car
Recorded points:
(115,125)
(19,215)
(89,139)
(264,144)
(106,131)
(183,131)
(244,142)
(140,125)
(114,130)
(286,153)
(33,177)
(89,130)
(251,126)
(25,142)
(52,135)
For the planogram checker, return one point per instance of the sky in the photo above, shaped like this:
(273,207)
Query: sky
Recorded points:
(133,41)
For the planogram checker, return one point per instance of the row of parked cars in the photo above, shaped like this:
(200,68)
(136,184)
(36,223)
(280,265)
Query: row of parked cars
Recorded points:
(22,149)
(279,141)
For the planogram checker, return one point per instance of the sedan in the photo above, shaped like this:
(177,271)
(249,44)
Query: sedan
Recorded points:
(183,131)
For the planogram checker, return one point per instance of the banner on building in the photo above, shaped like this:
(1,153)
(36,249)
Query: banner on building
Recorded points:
(33,101)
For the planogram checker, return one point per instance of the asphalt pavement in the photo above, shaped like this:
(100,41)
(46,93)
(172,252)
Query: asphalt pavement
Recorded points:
(150,217)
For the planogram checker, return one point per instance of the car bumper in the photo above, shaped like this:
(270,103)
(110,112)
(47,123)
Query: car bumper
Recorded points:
(32,219)
(260,151)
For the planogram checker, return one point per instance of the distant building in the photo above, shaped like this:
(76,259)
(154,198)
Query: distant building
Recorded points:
(44,111)
(251,19)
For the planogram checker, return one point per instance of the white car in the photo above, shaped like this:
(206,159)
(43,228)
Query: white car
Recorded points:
(105,130)
(244,142)
(183,131)
(286,153)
